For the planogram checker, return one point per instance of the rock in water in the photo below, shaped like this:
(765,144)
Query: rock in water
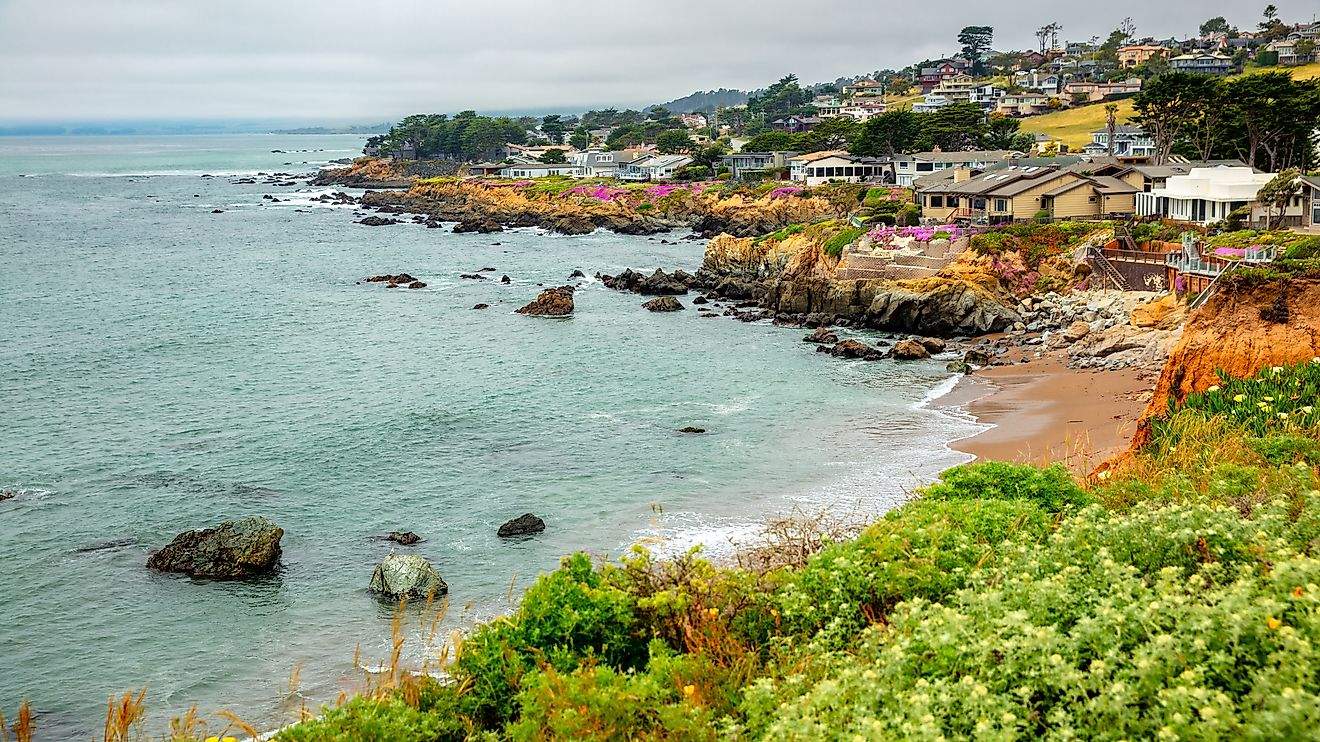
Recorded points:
(854,349)
(663,304)
(407,576)
(976,357)
(523,525)
(821,336)
(551,303)
(692,430)
(407,538)
(933,345)
(233,550)
(910,350)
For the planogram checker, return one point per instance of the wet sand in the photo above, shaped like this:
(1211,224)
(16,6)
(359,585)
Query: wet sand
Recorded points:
(1043,412)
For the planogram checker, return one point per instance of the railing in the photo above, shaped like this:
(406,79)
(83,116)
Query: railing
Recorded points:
(1137,256)
(1204,296)
(1107,270)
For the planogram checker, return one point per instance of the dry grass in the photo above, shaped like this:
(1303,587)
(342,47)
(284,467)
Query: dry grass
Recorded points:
(789,541)
(23,728)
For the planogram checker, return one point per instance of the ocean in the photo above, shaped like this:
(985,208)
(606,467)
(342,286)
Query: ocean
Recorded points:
(164,368)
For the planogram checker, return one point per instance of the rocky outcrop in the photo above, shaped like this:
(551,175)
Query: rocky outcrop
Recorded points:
(407,576)
(822,336)
(663,304)
(232,550)
(524,525)
(377,221)
(692,430)
(853,349)
(406,538)
(658,283)
(557,302)
(480,226)
(909,350)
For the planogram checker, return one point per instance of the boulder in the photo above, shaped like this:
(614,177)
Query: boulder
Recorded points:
(376,221)
(505,279)
(407,538)
(975,357)
(557,302)
(663,304)
(576,274)
(417,285)
(933,345)
(7,496)
(700,300)
(692,430)
(481,306)
(407,576)
(1164,313)
(472,276)
(1076,331)
(230,551)
(524,525)
(387,278)
(855,349)
(822,336)
(910,350)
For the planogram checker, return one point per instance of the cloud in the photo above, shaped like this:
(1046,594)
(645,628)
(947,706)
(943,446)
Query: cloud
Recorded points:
(369,61)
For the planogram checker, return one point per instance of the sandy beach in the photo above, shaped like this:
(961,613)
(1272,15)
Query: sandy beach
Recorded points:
(1044,412)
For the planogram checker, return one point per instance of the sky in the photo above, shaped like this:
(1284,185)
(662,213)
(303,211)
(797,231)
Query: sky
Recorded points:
(367,61)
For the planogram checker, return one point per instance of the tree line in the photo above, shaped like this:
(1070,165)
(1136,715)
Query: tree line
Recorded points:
(1266,119)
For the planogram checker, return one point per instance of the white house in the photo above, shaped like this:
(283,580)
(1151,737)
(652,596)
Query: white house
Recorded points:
(818,168)
(1129,141)
(595,163)
(535,170)
(908,168)
(656,167)
(931,104)
(1208,194)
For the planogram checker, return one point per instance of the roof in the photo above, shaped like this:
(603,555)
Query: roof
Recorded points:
(970,156)
(1066,187)
(813,156)
(1110,186)
(1311,180)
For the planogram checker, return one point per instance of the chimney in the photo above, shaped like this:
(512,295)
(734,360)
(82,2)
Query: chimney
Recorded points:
(962,174)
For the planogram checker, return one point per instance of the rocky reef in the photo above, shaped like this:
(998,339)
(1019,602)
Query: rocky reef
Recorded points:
(232,550)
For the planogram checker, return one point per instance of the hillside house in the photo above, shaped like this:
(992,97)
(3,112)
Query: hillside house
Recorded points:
(1287,51)
(1130,142)
(1312,186)
(595,163)
(743,165)
(1024,104)
(1203,63)
(527,171)
(653,167)
(795,124)
(864,88)
(1208,194)
(931,77)
(1138,54)
(1093,92)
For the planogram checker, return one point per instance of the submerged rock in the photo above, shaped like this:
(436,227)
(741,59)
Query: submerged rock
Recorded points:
(692,430)
(854,349)
(482,226)
(376,221)
(821,336)
(524,525)
(663,304)
(408,576)
(556,302)
(407,538)
(232,550)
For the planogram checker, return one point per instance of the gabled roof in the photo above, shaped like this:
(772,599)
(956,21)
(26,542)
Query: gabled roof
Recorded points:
(1111,186)
(969,156)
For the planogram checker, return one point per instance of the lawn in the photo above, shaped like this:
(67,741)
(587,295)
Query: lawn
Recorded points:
(1073,126)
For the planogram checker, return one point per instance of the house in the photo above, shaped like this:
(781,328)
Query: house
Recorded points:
(795,124)
(1031,59)
(525,171)
(1287,51)
(931,77)
(486,169)
(827,106)
(987,95)
(818,168)
(1019,191)
(534,153)
(744,164)
(1022,190)
(1092,92)
(653,167)
(957,88)
(1206,194)
(1138,54)
(595,163)
(1025,104)
(863,88)
(908,168)
(1155,176)
(1129,142)
(931,103)
(1202,63)
(1080,48)
(863,109)
(693,120)
(1038,82)
(1311,185)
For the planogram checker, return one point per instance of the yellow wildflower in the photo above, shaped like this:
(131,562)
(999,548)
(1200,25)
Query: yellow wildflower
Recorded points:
(1283,416)
(1307,409)
(1239,397)
(1268,399)
(689,690)
(1273,623)
(713,612)
(1214,388)
(1262,405)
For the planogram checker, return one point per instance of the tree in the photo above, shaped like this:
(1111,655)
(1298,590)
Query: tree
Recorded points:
(1304,49)
(783,98)
(1165,107)
(1218,24)
(957,127)
(710,157)
(1277,194)
(1275,115)
(674,140)
(553,128)
(1048,36)
(832,133)
(771,141)
(1003,132)
(1111,127)
(888,134)
(1108,52)
(554,157)
(976,41)
(581,138)
(658,113)
(1128,29)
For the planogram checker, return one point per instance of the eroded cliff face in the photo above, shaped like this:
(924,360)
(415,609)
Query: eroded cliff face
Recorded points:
(794,276)
(1241,329)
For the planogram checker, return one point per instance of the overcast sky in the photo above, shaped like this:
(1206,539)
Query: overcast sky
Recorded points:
(374,60)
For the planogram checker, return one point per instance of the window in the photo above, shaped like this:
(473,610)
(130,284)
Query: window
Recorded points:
(925,167)
(1090,199)
(1001,204)
(937,201)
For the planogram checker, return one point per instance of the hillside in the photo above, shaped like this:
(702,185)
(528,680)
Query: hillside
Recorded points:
(707,101)
(1073,126)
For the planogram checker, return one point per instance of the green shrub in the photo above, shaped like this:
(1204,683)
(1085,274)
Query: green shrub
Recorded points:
(1283,449)
(1115,628)
(909,216)
(569,617)
(835,244)
(371,720)
(1052,487)
(1306,247)
(1278,399)
(926,549)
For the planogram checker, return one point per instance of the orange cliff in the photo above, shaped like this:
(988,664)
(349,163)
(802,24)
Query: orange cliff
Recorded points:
(1242,329)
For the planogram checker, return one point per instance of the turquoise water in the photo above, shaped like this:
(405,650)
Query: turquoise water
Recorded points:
(164,368)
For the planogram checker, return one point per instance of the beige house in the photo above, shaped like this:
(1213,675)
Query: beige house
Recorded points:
(1020,192)
(1137,55)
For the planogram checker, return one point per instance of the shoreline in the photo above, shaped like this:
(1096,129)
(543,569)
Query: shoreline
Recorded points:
(1044,412)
